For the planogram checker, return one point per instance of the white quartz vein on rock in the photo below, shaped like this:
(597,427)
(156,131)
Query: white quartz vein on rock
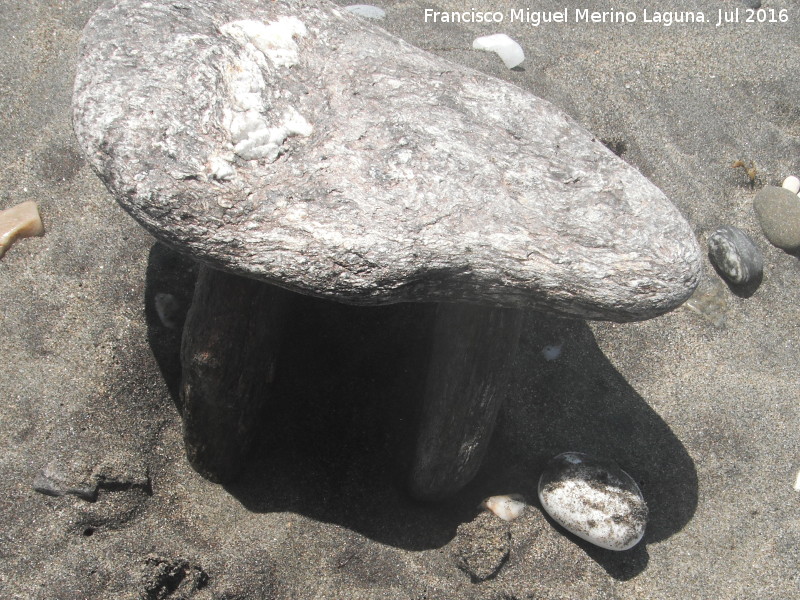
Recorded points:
(275,39)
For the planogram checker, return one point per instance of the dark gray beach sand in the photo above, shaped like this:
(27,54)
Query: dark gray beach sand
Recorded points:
(700,408)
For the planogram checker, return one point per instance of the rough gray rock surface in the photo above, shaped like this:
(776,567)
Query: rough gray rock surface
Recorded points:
(369,171)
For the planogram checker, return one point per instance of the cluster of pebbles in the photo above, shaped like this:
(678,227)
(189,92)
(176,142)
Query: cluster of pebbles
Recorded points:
(593,498)
(737,258)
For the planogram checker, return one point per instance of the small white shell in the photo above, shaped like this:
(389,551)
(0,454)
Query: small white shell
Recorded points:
(507,507)
(502,45)
(792,184)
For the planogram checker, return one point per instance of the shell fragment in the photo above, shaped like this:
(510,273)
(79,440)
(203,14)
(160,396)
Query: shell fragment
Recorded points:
(502,45)
(17,222)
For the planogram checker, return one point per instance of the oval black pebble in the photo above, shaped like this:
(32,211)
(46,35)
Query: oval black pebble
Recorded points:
(735,255)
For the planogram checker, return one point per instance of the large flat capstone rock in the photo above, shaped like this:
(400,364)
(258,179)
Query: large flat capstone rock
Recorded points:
(298,144)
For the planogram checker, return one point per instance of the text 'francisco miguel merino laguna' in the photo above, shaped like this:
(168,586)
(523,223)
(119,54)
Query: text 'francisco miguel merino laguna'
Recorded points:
(577,15)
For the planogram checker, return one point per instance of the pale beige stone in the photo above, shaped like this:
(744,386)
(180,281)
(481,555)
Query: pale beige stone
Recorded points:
(507,507)
(19,221)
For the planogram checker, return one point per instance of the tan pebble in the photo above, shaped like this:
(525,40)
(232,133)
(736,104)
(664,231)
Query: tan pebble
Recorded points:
(507,507)
(778,212)
(19,221)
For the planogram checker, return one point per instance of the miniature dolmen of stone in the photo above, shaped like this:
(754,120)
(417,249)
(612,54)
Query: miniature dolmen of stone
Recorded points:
(292,147)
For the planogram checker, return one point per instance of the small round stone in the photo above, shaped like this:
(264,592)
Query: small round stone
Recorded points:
(594,499)
(735,255)
(778,212)
(507,507)
(792,184)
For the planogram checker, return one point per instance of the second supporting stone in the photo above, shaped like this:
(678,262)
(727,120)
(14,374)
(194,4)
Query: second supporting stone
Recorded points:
(472,352)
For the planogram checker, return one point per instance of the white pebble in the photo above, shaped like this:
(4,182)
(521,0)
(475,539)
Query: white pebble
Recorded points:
(797,482)
(506,48)
(594,499)
(507,507)
(792,184)
(551,352)
(367,11)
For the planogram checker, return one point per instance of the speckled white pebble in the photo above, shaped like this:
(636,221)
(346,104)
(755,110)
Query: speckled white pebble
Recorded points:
(502,45)
(594,499)
(792,184)
(507,507)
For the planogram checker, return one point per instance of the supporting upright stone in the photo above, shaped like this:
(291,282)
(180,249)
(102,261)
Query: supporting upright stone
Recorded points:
(230,344)
(472,351)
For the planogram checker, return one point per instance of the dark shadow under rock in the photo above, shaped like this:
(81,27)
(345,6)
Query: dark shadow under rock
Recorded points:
(170,282)
(580,402)
(336,434)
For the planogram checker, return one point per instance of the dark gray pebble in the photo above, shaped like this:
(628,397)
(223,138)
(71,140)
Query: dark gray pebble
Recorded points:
(168,309)
(778,212)
(752,3)
(735,255)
